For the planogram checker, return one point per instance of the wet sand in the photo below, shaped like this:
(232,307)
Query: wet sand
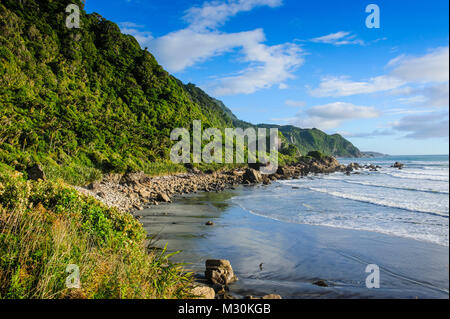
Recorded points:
(294,256)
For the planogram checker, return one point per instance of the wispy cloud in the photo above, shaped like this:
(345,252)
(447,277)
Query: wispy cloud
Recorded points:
(276,66)
(432,67)
(427,78)
(424,126)
(331,86)
(339,38)
(331,115)
(179,50)
(213,14)
(372,134)
(124,25)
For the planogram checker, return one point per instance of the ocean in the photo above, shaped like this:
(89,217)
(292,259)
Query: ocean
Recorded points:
(412,202)
(322,227)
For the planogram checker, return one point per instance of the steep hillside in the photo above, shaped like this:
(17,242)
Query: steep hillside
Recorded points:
(84,98)
(305,140)
(315,140)
(86,101)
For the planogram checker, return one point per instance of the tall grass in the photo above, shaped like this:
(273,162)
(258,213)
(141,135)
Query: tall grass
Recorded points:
(45,226)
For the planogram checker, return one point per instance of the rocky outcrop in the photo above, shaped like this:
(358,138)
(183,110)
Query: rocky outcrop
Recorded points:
(320,283)
(252,176)
(162,197)
(219,272)
(136,191)
(353,166)
(398,165)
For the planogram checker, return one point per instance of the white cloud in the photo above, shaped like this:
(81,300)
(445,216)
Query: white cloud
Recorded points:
(432,95)
(276,64)
(130,25)
(372,134)
(424,126)
(143,37)
(427,78)
(342,86)
(332,115)
(215,13)
(201,40)
(432,67)
(403,111)
(338,38)
(181,49)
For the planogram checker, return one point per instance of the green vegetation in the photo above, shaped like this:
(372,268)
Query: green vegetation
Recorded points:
(307,140)
(84,101)
(45,226)
(81,103)
(316,154)
(87,101)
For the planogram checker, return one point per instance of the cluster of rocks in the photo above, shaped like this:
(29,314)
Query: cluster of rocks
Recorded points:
(135,191)
(218,276)
(353,167)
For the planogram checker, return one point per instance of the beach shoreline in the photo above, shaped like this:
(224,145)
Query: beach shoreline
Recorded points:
(187,211)
(294,257)
(135,191)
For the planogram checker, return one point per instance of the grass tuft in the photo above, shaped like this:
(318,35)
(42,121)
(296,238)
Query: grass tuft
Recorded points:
(46,225)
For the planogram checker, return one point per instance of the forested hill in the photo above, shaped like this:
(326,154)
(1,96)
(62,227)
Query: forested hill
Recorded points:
(305,140)
(313,139)
(89,100)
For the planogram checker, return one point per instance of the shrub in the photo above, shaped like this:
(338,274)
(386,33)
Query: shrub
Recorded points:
(316,154)
(45,226)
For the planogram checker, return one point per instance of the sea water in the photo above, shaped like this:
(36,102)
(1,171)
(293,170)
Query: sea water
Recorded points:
(412,202)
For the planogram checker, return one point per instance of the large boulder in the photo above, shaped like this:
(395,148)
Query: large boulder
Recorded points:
(271,296)
(219,271)
(203,292)
(94,186)
(354,165)
(162,197)
(398,165)
(252,176)
(144,193)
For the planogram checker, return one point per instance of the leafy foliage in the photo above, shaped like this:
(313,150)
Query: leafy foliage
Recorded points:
(45,226)
(87,101)
(307,140)
(87,97)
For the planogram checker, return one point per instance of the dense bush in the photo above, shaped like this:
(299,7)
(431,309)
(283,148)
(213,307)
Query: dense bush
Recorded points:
(85,101)
(315,154)
(45,226)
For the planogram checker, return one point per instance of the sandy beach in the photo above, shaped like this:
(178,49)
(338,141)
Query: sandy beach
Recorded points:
(271,256)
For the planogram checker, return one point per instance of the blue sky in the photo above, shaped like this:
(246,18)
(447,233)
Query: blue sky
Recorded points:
(309,63)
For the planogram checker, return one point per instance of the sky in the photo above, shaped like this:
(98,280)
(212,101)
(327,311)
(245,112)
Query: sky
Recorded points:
(309,63)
